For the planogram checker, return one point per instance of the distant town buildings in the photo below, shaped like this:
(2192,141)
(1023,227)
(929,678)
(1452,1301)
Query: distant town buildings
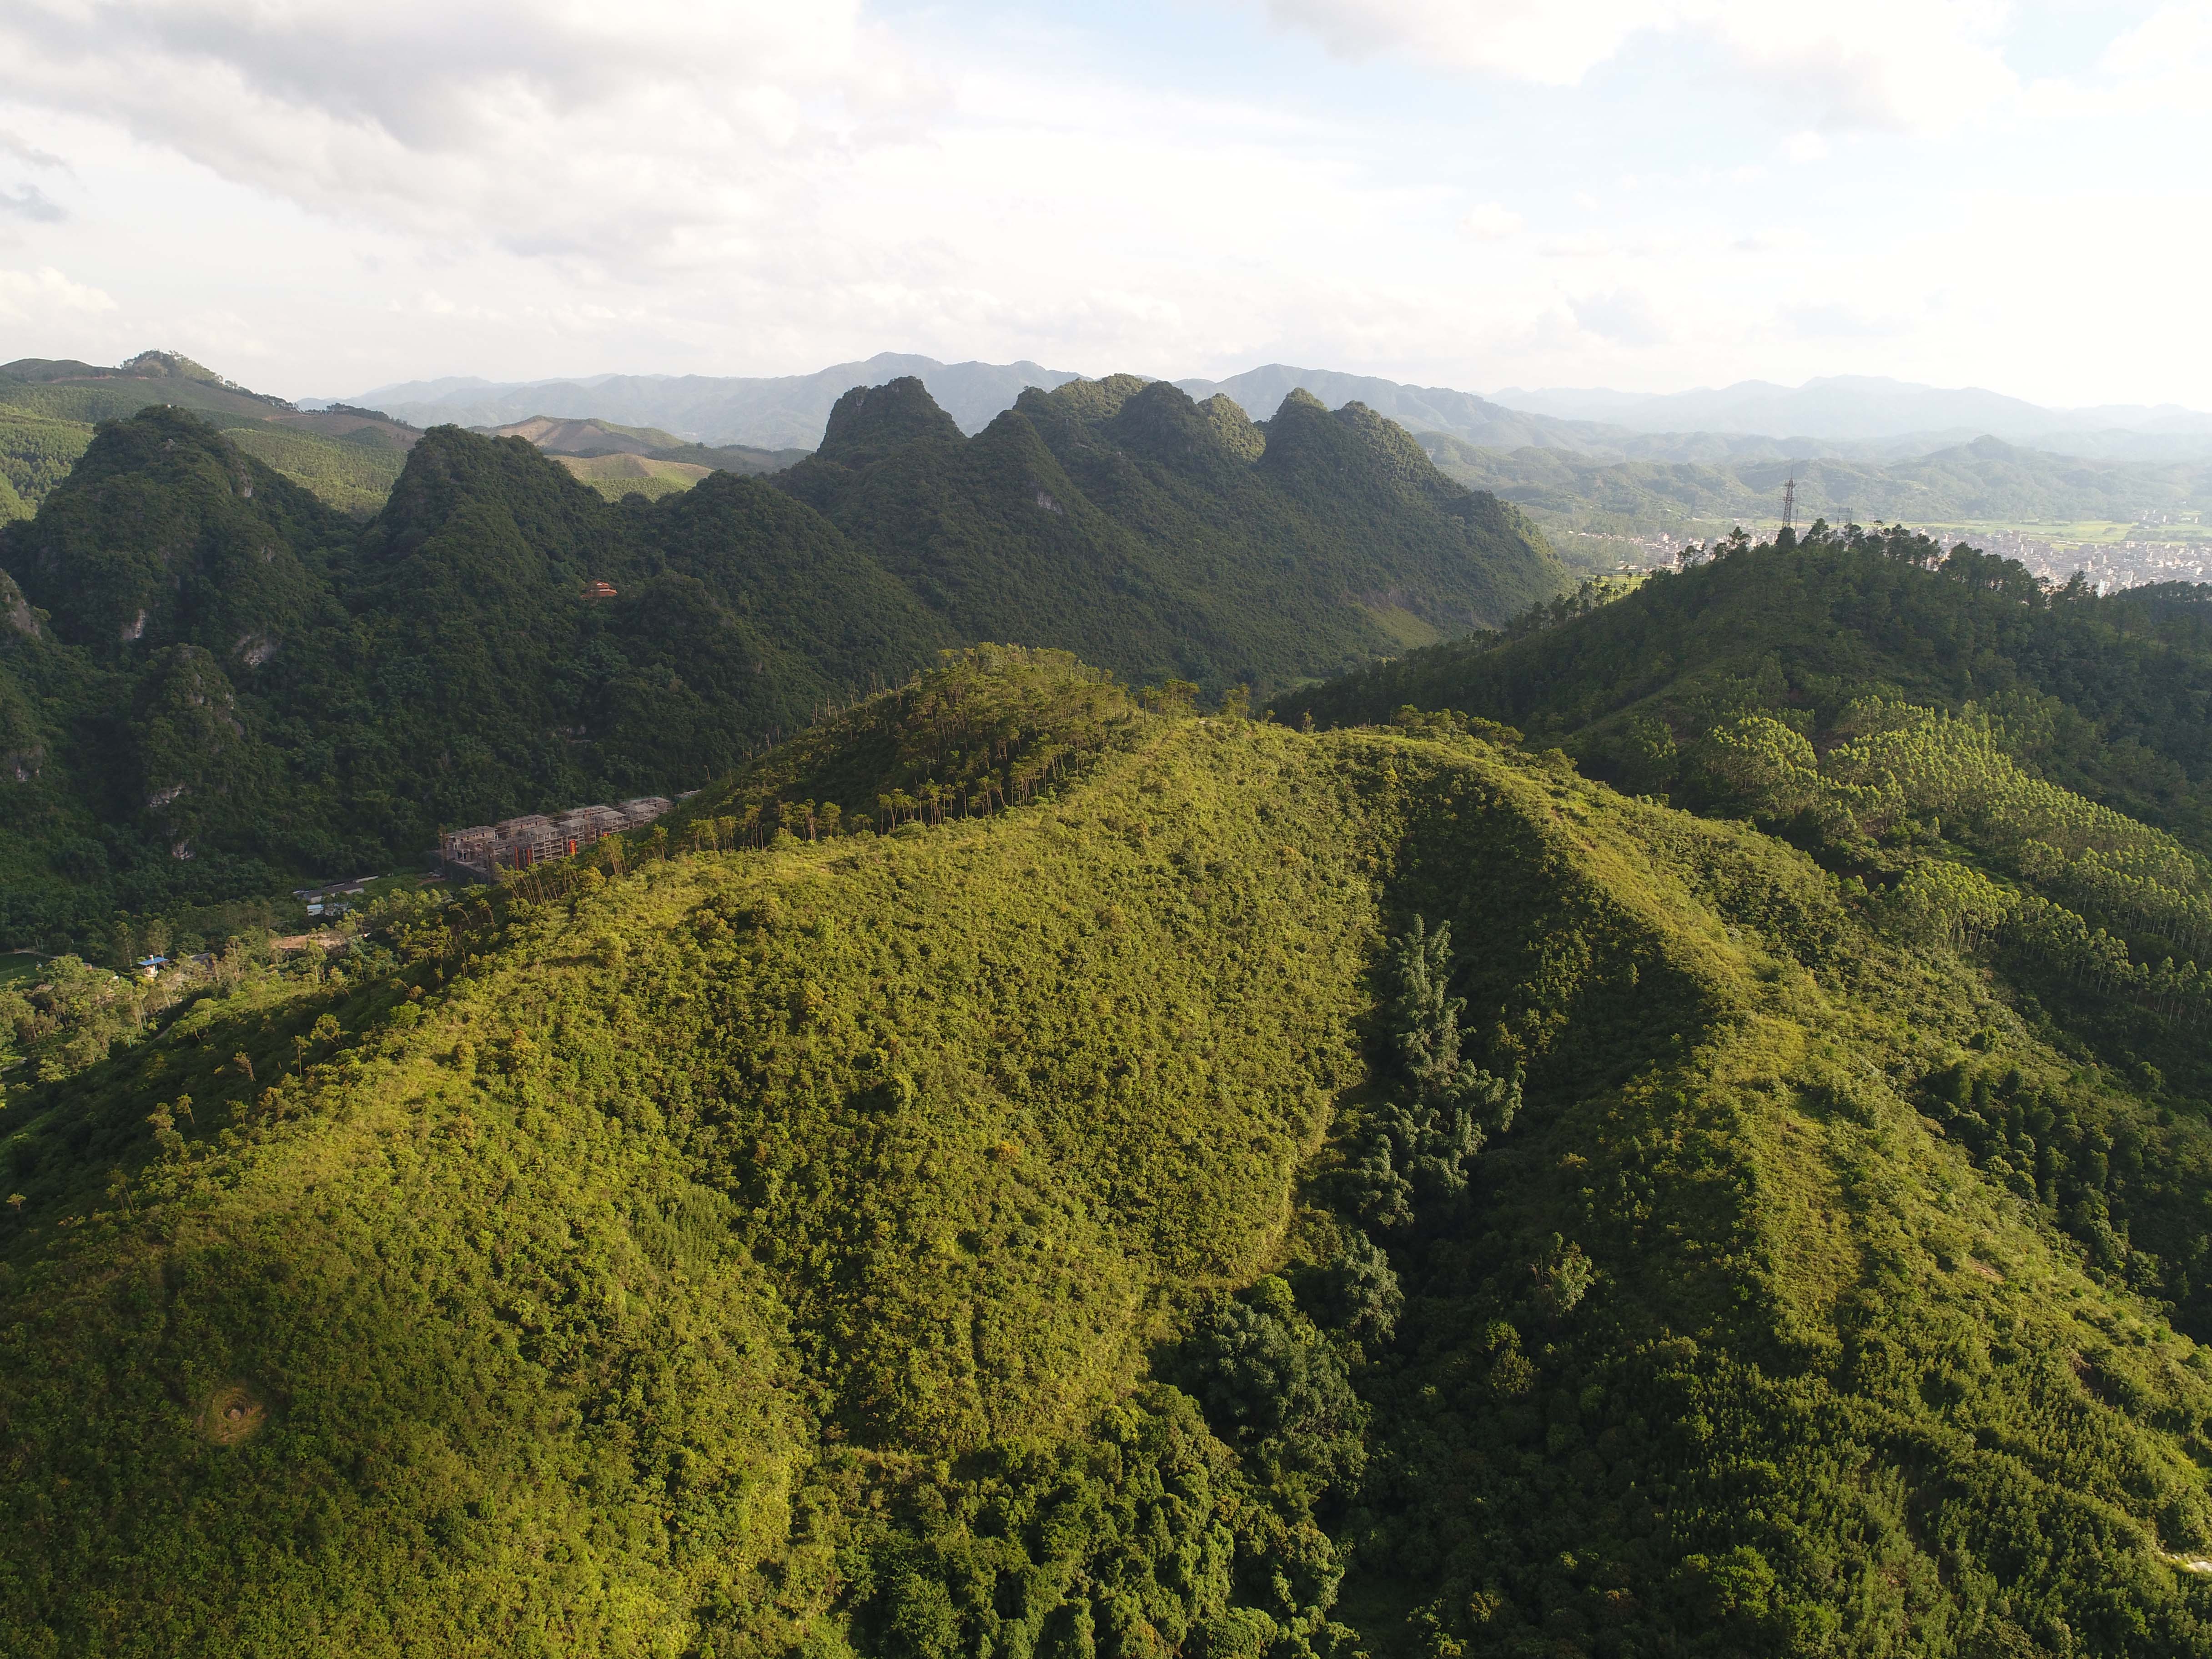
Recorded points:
(2109,566)
(517,843)
(1631,554)
(334,898)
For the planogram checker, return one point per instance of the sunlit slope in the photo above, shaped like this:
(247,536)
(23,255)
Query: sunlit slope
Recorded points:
(951,1112)
(616,476)
(743,1250)
(1828,1388)
(347,457)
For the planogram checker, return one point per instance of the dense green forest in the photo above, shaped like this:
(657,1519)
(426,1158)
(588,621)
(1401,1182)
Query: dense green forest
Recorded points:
(214,685)
(2112,697)
(1157,535)
(1127,1183)
(1668,1122)
(353,477)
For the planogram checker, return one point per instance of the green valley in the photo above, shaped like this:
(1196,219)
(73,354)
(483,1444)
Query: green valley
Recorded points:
(1986,481)
(616,476)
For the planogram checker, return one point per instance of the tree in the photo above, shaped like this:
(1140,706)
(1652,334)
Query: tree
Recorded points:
(1172,697)
(1416,1148)
(165,1132)
(1361,1293)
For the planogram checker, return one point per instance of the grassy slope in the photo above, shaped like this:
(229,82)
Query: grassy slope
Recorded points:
(810,1069)
(597,440)
(350,464)
(617,476)
(1816,1334)
(738,1215)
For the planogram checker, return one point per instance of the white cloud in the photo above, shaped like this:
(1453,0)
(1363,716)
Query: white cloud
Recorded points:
(2160,63)
(1897,64)
(1491,222)
(29,202)
(1620,317)
(561,128)
(2173,39)
(1773,240)
(1835,320)
(350,195)
(44,297)
(1590,245)
(14,144)
(1806,147)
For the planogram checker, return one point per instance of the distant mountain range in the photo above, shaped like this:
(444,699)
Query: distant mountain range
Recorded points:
(653,434)
(789,411)
(781,411)
(1841,417)
(1858,408)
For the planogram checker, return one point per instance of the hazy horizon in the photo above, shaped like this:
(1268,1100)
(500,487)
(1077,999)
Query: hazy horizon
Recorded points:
(1501,394)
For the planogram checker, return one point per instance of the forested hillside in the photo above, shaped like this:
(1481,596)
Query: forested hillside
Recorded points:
(212,684)
(2110,696)
(1128,1183)
(348,457)
(1155,535)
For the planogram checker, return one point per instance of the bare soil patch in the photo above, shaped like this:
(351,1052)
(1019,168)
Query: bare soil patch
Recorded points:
(232,1414)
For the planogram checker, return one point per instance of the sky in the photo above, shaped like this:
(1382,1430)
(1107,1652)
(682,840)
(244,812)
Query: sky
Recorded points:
(318,199)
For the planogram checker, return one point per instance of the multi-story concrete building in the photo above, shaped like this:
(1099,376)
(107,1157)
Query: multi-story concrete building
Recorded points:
(517,843)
